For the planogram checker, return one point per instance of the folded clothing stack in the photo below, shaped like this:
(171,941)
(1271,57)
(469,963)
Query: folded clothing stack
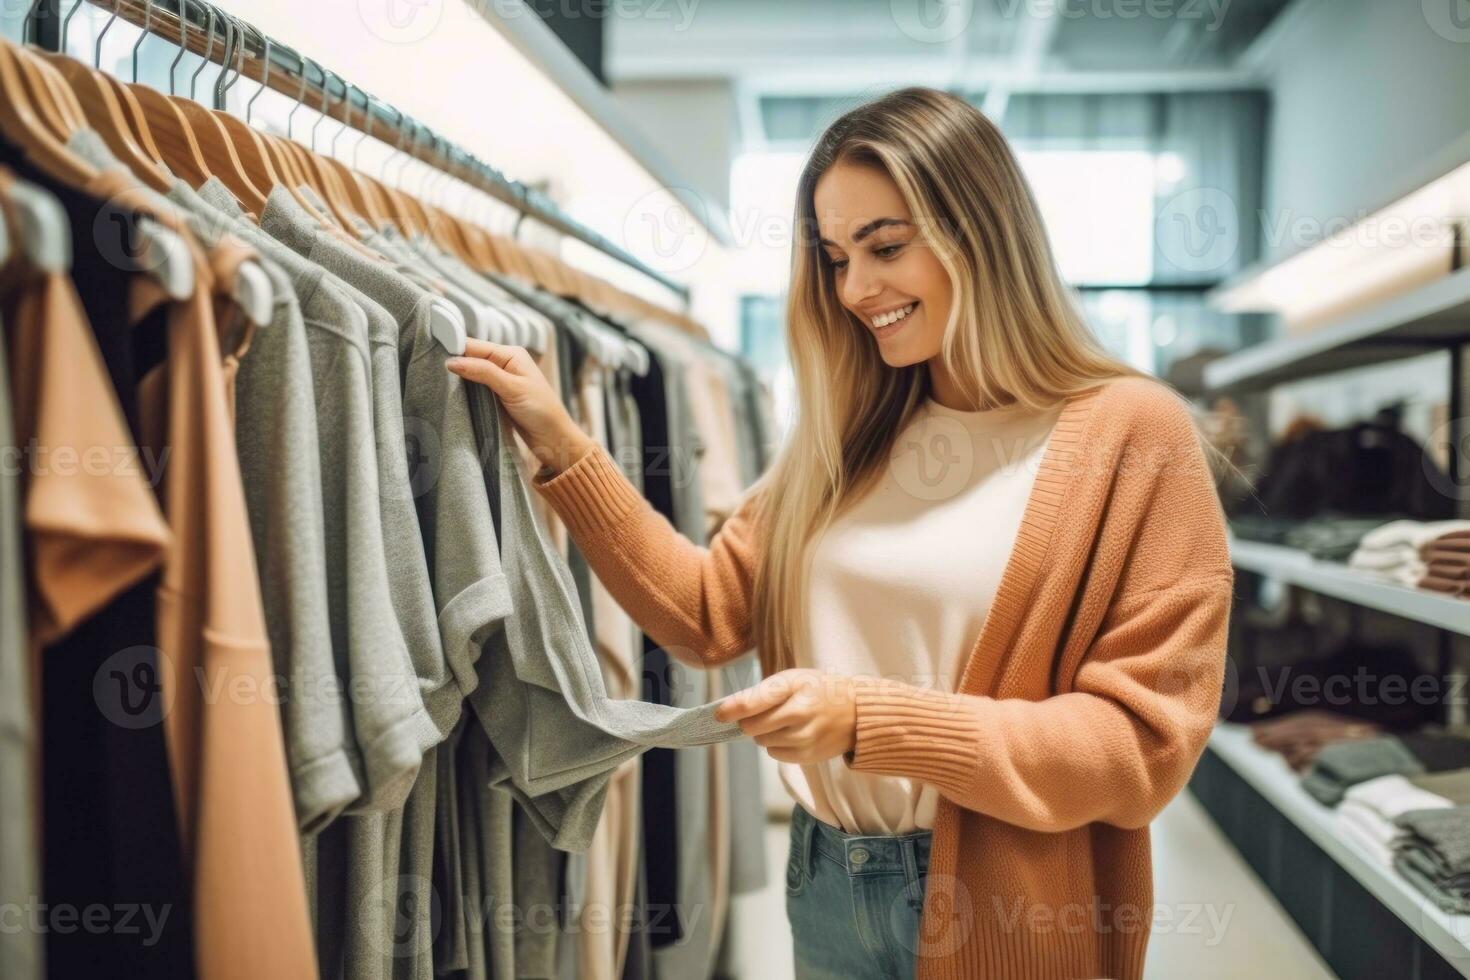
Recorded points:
(1397,552)
(1366,814)
(1301,735)
(1344,764)
(1447,563)
(1432,850)
(1333,537)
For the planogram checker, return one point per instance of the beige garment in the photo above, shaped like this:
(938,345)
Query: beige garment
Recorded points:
(719,824)
(882,606)
(226,747)
(612,858)
(714,417)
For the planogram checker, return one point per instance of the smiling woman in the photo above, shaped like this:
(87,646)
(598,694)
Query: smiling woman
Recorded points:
(993,652)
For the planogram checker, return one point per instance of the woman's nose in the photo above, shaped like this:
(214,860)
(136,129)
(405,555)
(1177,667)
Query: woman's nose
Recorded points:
(859,286)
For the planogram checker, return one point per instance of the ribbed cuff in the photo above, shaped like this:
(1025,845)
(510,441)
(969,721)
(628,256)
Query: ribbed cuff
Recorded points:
(591,495)
(909,731)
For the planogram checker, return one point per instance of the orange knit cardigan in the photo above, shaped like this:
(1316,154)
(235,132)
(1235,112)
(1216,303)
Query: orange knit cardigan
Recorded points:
(1084,704)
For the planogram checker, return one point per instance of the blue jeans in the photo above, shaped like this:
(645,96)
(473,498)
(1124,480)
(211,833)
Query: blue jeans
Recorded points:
(854,901)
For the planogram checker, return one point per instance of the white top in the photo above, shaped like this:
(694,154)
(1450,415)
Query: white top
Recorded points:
(901,584)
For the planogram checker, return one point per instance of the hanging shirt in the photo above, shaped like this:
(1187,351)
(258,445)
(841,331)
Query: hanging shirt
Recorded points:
(901,584)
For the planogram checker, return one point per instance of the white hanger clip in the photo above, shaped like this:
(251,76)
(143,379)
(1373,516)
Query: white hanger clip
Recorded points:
(169,259)
(447,326)
(254,293)
(44,234)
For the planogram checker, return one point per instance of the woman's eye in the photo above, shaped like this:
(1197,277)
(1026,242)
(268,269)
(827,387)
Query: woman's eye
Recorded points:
(837,264)
(888,251)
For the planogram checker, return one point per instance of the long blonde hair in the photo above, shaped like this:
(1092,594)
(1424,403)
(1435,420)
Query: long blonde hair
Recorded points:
(1015,334)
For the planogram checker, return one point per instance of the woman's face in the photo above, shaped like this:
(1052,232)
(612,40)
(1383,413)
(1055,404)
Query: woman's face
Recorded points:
(884,271)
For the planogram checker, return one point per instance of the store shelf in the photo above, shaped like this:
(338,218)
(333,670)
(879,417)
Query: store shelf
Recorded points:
(1269,775)
(1341,582)
(1429,318)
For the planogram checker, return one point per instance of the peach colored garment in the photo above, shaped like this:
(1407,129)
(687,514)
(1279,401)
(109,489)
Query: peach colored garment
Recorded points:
(1082,707)
(222,726)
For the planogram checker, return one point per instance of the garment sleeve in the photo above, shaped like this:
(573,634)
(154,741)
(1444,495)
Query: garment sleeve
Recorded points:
(1114,749)
(694,601)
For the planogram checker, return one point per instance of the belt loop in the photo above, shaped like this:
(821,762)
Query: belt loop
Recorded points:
(809,846)
(908,847)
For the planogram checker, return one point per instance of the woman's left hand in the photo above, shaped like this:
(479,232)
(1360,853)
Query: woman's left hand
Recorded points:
(800,715)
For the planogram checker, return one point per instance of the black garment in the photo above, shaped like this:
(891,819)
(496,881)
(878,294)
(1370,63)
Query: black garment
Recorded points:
(660,794)
(109,823)
(1365,470)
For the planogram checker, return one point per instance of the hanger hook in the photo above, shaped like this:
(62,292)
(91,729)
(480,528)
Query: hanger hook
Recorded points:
(327,76)
(66,22)
(183,42)
(97,54)
(346,116)
(300,95)
(208,50)
(30,22)
(233,50)
(142,35)
(265,76)
(397,144)
(367,109)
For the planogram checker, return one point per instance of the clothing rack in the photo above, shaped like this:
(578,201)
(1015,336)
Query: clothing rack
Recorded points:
(238,46)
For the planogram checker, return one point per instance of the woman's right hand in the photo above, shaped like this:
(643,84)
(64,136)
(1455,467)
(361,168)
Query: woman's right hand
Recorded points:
(534,408)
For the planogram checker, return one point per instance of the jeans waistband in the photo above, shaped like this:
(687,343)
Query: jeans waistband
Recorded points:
(859,854)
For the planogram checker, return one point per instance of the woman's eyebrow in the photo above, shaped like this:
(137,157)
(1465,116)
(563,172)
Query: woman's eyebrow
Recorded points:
(869,228)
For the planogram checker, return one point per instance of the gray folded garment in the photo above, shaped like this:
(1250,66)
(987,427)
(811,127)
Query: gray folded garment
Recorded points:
(1432,850)
(1410,864)
(557,734)
(1345,764)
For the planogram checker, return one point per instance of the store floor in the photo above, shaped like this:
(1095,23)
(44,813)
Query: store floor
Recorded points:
(1216,921)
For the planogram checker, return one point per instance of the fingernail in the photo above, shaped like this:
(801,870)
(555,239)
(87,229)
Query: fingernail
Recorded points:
(455,363)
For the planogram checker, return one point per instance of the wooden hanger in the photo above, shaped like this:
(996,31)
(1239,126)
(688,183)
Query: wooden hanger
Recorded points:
(215,144)
(163,122)
(43,97)
(104,112)
(22,125)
